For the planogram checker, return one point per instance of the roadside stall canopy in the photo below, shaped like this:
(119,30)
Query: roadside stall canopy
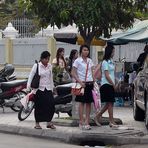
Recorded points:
(138,33)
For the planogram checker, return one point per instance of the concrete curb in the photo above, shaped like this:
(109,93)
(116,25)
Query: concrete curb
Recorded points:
(44,133)
(75,122)
(77,136)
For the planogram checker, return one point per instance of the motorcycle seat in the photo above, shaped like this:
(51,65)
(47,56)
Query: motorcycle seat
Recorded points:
(64,99)
(63,90)
(11,84)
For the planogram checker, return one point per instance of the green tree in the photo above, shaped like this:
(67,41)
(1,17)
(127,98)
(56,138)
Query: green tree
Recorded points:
(10,10)
(93,17)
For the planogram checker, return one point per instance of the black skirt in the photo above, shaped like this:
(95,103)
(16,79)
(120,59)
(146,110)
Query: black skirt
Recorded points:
(44,106)
(87,97)
(107,93)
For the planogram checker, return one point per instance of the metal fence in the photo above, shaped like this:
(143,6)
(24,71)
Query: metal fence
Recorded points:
(25,27)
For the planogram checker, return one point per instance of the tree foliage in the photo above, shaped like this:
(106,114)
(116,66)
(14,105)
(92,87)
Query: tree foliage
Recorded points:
(8,11)
(92,17)
(11,10)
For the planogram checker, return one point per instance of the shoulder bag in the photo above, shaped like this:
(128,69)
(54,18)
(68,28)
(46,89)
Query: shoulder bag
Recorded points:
(36,79)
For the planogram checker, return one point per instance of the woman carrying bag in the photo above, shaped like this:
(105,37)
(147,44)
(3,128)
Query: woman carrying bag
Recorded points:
(44,101)
(82,73)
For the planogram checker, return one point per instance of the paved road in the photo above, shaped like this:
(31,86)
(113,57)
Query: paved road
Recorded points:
(9,119)
(131,146)
(126,115)
(14,141)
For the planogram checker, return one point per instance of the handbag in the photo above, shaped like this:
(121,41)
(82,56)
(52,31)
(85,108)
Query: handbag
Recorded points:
(36,79)
(77,89)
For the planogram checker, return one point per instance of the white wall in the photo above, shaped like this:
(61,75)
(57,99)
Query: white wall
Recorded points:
(27,50)
(130,51)
(24,51)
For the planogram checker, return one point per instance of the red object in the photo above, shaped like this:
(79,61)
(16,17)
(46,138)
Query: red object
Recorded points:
(31,97)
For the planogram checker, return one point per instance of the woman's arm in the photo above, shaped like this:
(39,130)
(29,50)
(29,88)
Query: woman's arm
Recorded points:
(75,76)
(109,78)
(31,75)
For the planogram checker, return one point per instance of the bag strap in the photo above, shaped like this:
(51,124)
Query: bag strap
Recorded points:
(37,69)
(86,71)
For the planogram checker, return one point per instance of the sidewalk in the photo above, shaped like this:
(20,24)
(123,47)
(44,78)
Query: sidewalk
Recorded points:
(9,123)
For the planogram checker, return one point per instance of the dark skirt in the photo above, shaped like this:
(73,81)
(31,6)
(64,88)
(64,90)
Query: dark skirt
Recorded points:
(87,97)
(107,93)
(44,106)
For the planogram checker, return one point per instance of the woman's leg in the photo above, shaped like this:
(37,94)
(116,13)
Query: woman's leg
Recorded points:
(88,110)
(110,112)
(99,114)
(37,125)
(81,110)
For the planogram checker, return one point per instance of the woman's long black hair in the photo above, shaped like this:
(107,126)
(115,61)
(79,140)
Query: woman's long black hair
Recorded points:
(72,55)
(108,52)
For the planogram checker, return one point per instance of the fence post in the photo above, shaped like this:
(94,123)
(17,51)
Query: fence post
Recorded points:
(51,47)
(9,50)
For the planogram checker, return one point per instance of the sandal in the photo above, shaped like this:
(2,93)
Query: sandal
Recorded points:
(51,126)
(38,127)
(113,125)
(87,127)
(81,126)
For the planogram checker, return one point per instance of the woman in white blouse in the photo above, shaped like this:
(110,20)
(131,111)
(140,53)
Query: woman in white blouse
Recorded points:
(59,60)
(44,101)
(82,72)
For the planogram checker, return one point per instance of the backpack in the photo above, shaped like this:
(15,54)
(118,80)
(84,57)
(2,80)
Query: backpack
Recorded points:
(98,72)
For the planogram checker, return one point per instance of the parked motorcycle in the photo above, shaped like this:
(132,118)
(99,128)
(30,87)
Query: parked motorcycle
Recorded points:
(63,99)
(11,93)
(6,73)
(63,102)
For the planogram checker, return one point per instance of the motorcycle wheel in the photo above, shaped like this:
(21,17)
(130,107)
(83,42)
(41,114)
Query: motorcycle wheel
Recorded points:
(25,111)
(19,96)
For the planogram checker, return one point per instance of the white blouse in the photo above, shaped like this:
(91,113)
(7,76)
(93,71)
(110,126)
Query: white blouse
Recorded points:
(46,77)
(81,66)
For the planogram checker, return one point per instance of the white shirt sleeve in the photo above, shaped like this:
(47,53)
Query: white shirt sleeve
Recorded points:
(31,75)
(75,64)
(91,63)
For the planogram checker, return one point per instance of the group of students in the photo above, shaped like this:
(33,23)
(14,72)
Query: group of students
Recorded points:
(81,69)
(107,89)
